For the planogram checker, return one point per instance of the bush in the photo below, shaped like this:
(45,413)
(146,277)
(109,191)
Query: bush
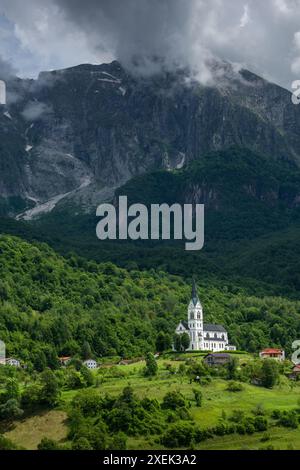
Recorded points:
(151,366)
(178,435)
(173,401)
(48,444)
(266,437)
(260,423)
(288,419)
(6,444)
(234,387)
(118,442)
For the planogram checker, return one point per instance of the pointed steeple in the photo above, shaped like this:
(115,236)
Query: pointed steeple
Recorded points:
(195,297)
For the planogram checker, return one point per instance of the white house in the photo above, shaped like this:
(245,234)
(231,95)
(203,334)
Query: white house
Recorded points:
(10,361)
(90,364)
(203,336)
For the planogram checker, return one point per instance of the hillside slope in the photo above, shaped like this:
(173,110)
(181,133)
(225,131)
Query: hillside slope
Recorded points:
(50,305)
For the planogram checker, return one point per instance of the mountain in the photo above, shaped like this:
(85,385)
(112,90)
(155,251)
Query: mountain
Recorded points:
(74,136)
(252,223)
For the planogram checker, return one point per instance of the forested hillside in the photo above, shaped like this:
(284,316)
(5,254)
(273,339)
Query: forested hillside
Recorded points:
(52,305)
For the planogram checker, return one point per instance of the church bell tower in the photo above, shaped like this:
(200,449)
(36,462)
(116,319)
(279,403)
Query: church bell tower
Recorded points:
(195,321)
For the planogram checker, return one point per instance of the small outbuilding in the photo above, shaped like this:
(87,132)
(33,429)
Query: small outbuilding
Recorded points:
(217,359)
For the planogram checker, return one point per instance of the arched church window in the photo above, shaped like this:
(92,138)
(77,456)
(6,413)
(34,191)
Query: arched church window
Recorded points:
(207,336)
(216,335)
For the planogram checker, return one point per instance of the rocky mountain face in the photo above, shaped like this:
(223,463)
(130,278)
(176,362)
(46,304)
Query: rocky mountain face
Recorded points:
(75,135)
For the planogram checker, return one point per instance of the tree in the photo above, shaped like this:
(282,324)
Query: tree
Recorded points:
(232,368)
(269,373)
(198,397)
(12,390)
(177,342)
(50,391)
(86,350)
(10,410)
(163,342)
(151,365)
(173,401)
(6,444)
(48,444)
(185,341)
(81,444)
(87,376)
(119,442)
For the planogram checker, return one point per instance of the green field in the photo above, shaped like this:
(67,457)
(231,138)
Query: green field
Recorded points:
(216,401)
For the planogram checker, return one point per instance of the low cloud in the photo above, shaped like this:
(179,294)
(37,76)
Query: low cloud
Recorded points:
(35,110)
(6,70)
(146,35)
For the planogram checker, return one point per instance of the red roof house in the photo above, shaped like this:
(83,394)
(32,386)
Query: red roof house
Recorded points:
(272,353)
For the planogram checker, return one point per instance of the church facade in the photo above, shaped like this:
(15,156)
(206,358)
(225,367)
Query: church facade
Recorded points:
(203,336)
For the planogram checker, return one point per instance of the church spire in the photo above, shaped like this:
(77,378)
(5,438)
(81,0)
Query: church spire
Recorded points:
(195,297)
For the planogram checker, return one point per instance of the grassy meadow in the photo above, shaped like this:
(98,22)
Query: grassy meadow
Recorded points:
(217,402)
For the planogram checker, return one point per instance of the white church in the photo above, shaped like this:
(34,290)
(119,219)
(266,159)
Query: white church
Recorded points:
(203,336)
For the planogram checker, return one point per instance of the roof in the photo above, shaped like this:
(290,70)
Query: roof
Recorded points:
(271,351)
(195,298)
(214,340)
(185,324)
(212,327)
(64,358)
(296,368)
(221,355)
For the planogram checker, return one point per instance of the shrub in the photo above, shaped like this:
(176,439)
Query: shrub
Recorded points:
(173,401)
(48,444)
(260,423)
(288,419)
(81,444)
(118,442)
(234,387)
(266,437)
(151,366)
(178,435)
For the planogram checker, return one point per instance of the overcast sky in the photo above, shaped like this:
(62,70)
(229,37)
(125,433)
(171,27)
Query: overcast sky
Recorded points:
(263,35)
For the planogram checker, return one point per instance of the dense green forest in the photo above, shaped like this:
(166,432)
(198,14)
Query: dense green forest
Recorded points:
(61,289)
(252,224)
(51,306)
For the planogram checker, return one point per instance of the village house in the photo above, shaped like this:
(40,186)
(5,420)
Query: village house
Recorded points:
(64,360)
(272,353)
(217,359)
(10,361)
(203,336)
(90,364)
(295,372)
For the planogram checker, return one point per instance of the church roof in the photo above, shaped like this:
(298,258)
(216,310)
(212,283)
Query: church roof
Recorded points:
(185,324)
(212,327)
(195,297)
